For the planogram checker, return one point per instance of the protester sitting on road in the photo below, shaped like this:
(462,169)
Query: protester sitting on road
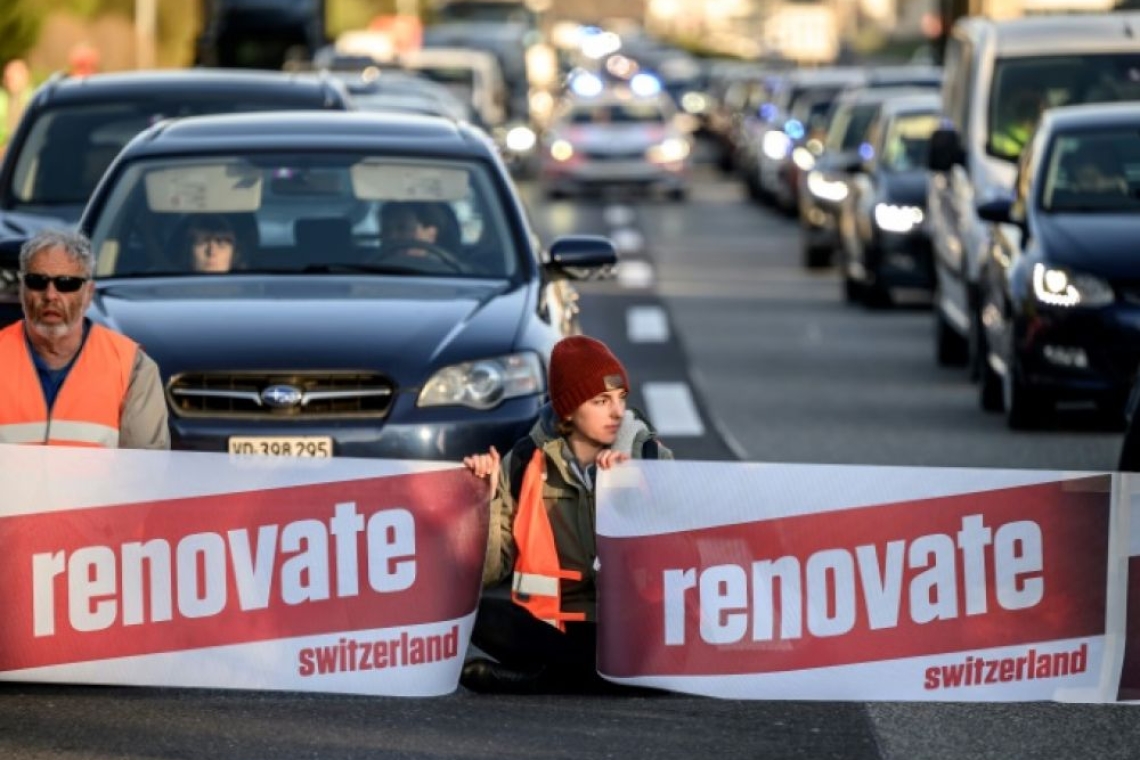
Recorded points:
(543,508)
(210,243)
(65,380)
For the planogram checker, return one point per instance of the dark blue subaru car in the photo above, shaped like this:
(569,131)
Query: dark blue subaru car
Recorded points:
(383,294)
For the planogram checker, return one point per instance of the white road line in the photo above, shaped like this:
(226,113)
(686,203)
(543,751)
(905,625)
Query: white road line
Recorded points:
(671,409)
(628,240)
(635,274)
(646,324)
(618,215)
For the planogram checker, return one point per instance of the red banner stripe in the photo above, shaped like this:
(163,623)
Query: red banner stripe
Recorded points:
(645,579)
(96,617)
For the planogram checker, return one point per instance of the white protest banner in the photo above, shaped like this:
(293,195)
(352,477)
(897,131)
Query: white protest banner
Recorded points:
(862,583)
(206,570)
(1130,610)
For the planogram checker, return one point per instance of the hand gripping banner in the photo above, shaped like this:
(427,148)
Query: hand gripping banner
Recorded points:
(866,583)
(205,570)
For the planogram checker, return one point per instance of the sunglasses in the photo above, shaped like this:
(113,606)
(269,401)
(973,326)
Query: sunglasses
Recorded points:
(63,283)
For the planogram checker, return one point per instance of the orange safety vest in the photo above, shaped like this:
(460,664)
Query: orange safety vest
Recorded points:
(537,577)
(89,405)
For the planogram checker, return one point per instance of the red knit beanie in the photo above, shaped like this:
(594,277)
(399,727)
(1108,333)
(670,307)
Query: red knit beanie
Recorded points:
(581,368)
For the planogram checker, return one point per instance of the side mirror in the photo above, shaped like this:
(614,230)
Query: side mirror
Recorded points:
(579,257)
(996,210)
(945,150)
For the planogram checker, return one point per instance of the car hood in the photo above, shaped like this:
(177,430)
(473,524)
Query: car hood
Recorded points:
(1102,244)
(404,327)
(904,188)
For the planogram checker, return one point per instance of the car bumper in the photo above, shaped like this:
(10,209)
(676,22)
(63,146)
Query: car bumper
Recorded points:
(1080,354)
(408,432)
(903,260)
(819,220)
(595,174)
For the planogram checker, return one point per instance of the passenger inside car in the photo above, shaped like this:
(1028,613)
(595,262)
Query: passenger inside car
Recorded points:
(1092,171)
(208,243)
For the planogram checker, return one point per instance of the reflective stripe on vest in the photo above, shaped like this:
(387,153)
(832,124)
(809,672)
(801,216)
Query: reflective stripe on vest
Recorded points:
(89,405)
(537,576)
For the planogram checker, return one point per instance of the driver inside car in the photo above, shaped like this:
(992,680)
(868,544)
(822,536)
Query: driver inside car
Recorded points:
(404,224)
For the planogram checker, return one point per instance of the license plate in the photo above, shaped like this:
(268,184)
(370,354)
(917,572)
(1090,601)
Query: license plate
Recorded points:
(282,446)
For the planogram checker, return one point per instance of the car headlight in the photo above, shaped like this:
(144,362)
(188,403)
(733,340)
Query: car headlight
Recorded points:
(671,150)
(1060,287)
(520,139)
(824,189)
(561,150)
(483,384)
(892,218)
(776,144)
(803,158)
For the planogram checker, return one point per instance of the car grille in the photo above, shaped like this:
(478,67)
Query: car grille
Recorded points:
(594,155)
(303,395)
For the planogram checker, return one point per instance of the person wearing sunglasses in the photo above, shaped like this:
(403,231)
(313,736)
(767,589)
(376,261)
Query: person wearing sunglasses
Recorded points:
(65,380)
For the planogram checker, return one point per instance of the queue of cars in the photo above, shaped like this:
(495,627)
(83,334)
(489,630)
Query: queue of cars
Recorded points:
(926,183)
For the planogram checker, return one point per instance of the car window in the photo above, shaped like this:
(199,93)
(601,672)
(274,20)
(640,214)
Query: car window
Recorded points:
(1094,171)
(906,144)
(1024,87)
(849,126)
(291,213)
(70,146)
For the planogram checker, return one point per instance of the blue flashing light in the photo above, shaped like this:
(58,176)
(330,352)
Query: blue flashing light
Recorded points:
(767,111)
(794,129)
(644,85)
(866,152)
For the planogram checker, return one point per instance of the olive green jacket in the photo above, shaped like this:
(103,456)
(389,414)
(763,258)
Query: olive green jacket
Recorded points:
(570,505)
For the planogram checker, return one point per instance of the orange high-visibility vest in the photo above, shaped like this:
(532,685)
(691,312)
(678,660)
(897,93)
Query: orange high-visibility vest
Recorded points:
(90,401)
(537,577)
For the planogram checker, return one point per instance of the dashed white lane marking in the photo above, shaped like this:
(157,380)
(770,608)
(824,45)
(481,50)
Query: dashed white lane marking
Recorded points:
(618,215)
(628,240)
(646,324)
(671,409)
(635,274)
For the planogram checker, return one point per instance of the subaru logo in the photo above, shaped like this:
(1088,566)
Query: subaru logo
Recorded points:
(281,396)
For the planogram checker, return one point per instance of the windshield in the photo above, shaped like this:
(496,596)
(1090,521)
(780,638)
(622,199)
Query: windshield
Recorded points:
(849,127)
(1093,172)
(69,147)
(1023,87)
(293,213)
(907,142)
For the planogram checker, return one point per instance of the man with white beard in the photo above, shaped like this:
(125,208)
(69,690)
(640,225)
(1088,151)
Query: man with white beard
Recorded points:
(64,380)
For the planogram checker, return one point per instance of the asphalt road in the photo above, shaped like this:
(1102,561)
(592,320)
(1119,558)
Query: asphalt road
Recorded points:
(737,354)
